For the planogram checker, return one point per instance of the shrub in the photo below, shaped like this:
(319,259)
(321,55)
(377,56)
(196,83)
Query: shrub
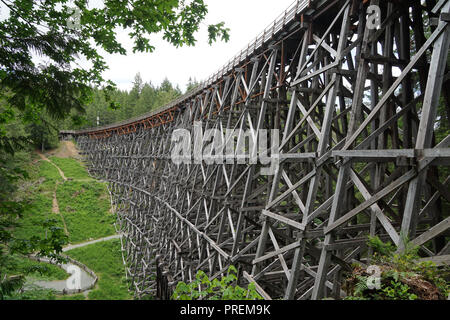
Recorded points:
(225,289)
(403,276)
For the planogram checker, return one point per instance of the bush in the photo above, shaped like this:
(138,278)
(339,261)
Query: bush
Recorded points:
(204,289)
(403,276)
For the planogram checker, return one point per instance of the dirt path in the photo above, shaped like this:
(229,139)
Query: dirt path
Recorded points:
(66,149)
(55,205)
(43,157)
(86,243)
(55,209)
(86,281)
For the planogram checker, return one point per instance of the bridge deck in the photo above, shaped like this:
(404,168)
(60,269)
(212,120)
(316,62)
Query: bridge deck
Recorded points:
(282,23)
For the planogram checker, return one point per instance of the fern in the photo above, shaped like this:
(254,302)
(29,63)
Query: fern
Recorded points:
(223,289)
(384,249)
(361,285)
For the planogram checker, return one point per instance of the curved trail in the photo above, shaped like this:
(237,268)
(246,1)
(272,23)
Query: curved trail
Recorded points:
(86,280)
(43,157)
(55,205)
(86,243)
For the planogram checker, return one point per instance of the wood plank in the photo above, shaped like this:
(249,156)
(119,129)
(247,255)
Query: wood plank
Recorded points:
(282,219)
(432,232)
(397,183)
(258,288)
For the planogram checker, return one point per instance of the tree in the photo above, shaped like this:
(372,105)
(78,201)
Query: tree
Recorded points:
(43,131)
(50,63)
(166,85)
(11,170)
(60,34)
(192,83)
(146,99)
(137,84)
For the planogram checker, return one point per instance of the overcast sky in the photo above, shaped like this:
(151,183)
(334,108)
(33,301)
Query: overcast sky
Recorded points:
(245,18)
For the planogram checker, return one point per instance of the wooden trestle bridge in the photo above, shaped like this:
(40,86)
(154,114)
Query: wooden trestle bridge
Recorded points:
(356,102)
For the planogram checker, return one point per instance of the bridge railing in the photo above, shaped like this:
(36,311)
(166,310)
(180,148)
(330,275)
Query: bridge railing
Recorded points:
(277,25)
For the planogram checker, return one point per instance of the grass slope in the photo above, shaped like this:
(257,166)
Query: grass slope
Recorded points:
(46,176)
(36,213)
(84,204)
(105,259)
(71,168)
(85,208)
(34,269)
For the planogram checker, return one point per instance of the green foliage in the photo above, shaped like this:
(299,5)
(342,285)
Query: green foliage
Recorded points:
(71,168)
(431,272)
(61,34)
(380,247)
(43,131)
(142,98)
(46,239)
(34,216)
(105,259)
(34,269)
(27,224)
(224,289)
(60,88)
(398,291)
(192,83)
(403,276)
(49,176)
(10,284)
(391,288)
(218,30)
(360,286)
(85,208)
(12,171)
(33,292)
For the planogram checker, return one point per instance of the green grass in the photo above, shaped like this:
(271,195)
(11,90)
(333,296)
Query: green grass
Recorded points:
(33,293)
(34,269)
(71,168)
(37,211)
(78,296)
(85,208)
(105,259)
(47,174)
(43,177)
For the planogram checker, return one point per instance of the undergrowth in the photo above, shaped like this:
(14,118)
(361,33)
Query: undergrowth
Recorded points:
(224,289)
(402,276)
(34,269)
(105,259)
(85,208)
(34,217)
(71,168)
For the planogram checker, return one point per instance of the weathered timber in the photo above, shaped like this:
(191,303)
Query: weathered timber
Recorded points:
(358,154)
